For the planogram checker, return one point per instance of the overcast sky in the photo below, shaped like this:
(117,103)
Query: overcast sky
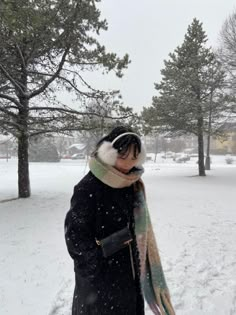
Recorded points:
(148,30)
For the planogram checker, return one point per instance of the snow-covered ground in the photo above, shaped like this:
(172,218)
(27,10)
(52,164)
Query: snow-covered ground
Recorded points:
(194,219)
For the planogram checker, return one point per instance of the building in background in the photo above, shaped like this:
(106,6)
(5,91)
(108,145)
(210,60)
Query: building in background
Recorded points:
(226,144)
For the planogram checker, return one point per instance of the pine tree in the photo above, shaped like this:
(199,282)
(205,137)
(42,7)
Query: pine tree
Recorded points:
(185,91)
(46,45)
(227,55)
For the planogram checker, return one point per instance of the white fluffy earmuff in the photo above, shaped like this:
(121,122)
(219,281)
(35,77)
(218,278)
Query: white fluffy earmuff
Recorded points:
(108,154)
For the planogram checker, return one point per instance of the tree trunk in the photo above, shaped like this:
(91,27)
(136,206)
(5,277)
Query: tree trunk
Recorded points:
(23,146)
(201,166)
(208,159)
(23,167)
(156,148)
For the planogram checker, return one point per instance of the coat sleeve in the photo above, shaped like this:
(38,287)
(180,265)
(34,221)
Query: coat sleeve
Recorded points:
(80,234)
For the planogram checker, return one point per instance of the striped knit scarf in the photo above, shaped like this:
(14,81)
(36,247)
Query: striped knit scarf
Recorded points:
(152,277)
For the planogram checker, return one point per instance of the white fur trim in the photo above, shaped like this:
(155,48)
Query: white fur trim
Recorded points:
(107,153)
(141,156)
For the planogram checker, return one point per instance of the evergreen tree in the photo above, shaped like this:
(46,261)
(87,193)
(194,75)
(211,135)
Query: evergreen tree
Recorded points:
(190,79)
(45,47)
(227,56)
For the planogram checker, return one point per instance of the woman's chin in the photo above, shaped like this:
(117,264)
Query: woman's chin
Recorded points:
(122,170)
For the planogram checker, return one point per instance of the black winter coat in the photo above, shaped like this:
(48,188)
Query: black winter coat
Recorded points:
(103,286)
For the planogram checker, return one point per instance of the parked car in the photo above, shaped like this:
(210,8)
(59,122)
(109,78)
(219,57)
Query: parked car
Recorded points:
(194,155)
(167,155)
(182,158)
(66,156)
(78,156)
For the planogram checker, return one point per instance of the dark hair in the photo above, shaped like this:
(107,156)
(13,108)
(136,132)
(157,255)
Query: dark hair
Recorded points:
(122,145)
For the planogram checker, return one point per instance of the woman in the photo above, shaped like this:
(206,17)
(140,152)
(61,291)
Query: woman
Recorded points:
(109,234)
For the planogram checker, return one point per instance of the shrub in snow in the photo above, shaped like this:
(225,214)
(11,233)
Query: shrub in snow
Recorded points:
(43,152)
(229,160)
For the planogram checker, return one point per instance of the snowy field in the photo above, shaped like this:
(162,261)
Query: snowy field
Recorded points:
(194,220)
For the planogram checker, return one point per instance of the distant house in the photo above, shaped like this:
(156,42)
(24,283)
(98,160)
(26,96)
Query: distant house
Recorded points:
(62,142)
(228,144)
(161,143)
(77,148)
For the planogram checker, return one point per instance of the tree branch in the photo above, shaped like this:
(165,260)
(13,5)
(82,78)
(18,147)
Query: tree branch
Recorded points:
(4,110)
(21,56)
(76,73)
(54,76)
(69,82)
(5,125)
(72,111)
(11,99)
(61,130)
(14,83)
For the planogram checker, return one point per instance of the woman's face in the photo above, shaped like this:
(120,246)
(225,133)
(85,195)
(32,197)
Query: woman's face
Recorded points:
(125,162)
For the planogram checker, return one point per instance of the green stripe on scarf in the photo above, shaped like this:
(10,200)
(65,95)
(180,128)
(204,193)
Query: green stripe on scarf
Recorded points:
(99,172)
(152,277)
